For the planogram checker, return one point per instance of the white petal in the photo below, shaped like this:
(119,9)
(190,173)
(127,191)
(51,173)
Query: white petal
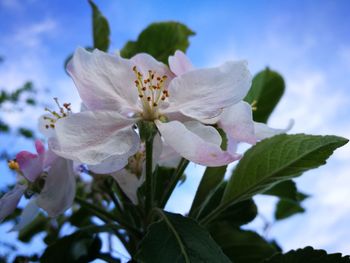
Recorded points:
(237,122)
(203,93)
(129,183)
(28,214)
(169,158)
(42,126)
(118,161)
(145,62)
(92,137)
(262,131)
(179,63)
(59,189)
(104,81)
(157,149)
(10,200)
(195,142)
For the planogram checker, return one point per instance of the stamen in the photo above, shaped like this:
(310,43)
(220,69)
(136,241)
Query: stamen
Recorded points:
(151,91)
(13,165)
(63,112)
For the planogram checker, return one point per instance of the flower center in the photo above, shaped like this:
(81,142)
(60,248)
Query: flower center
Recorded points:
(64,111)
(152,92)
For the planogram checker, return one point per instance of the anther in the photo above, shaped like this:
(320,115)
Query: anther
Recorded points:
(13,165)
(148,98)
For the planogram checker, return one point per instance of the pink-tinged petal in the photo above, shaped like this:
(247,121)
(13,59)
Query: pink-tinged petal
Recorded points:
(195,142)
(179,63)
(10,200)
(129,183)
(27,216)
(145,62)
(237,122)
(262,131)
(59,189)
(118,161)
(40,148)
(104,81)
(203,93)
(91,137)
(30,164)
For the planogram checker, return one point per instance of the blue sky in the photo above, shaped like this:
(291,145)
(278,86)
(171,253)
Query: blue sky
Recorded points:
(307,42)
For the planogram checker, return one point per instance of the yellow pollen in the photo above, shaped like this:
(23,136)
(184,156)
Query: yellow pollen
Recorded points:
(13,165)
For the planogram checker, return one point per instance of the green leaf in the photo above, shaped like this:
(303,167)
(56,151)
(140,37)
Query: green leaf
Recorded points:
(287,190)
(266,91)
(163,177)
(241,246)
(211,179)
(82,246)
(236,215)
(309,255)
(274,160)
(277,159)
(26,132)
(159,40)
(100,28)
(4,128)
(286,208)
(239,214)
(178,239)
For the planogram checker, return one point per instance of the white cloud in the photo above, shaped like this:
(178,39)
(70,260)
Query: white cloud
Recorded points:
(32,35)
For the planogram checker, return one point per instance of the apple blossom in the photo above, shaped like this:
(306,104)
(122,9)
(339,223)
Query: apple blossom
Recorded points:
(120,92)
(237,119)
(47,177)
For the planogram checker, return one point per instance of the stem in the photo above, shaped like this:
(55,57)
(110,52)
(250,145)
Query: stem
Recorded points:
(174,180)
(107,217)
(149,174)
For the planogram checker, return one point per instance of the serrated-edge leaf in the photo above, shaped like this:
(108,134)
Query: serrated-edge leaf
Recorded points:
(274,160)
(243,185)
(308,254)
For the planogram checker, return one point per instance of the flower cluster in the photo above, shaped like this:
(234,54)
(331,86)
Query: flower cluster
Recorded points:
(186,106)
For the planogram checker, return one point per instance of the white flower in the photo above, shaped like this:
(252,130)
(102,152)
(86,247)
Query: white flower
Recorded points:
(237,119)
(119,92)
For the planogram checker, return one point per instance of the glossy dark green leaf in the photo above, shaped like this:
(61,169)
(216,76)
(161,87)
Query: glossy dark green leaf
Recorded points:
(178,239)
(277,159)
(159,40)
(308,255)
(100,28)
(241,246)
(266,91)
(274,160)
